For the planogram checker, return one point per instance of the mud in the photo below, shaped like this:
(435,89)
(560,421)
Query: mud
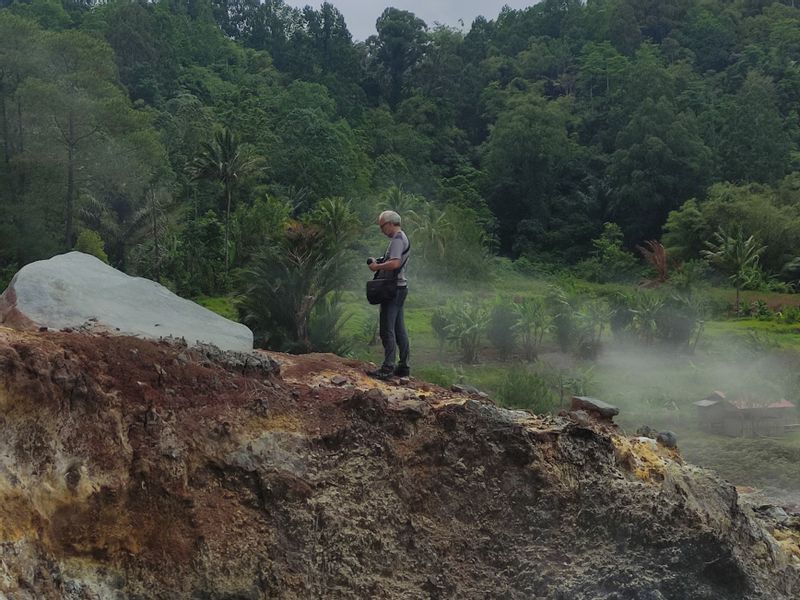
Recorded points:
(141,470)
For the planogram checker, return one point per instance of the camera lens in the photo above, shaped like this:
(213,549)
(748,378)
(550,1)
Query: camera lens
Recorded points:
(370,261)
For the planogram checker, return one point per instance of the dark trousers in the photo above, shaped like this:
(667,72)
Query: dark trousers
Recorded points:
(393,329)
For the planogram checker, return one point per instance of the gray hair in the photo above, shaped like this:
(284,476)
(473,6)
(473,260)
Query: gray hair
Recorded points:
(389,216)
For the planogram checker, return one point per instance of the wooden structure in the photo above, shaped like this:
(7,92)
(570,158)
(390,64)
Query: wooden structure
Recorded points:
(737,418)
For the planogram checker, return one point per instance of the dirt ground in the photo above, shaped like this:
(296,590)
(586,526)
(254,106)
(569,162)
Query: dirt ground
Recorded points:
(132,469)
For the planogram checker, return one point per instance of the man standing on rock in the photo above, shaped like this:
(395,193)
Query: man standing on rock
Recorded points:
(392,325)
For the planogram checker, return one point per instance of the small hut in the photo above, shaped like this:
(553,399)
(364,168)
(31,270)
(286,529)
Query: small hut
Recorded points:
(739,418)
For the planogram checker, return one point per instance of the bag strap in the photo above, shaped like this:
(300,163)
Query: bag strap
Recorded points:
(403,264)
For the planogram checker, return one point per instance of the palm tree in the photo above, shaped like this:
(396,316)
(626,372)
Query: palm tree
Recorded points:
(339,220)
(289,278)
(431,231)
(736,256)
(227,161)
(399,201)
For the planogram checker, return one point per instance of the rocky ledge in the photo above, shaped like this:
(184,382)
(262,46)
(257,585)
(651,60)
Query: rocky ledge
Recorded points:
(132,469)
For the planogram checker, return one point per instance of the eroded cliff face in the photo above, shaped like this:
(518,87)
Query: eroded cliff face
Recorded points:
(134,469)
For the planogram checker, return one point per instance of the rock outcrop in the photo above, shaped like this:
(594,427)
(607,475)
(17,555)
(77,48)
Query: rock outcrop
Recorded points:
(76,290)
(132,469)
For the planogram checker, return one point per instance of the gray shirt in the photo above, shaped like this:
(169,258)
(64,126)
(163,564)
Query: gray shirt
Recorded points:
(397,245)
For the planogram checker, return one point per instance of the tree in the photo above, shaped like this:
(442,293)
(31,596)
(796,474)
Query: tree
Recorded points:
(396,50)
(315,153)
(660,162)
(226,161)
(736,256)
(80,119)
(529,158)
(754,146)
(288,280)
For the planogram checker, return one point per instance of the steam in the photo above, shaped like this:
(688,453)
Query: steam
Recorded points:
(658,388)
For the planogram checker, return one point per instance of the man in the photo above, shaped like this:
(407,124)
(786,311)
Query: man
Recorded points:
(392,326)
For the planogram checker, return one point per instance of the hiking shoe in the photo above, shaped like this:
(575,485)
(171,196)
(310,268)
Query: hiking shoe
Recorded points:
(382,373)
(402,371)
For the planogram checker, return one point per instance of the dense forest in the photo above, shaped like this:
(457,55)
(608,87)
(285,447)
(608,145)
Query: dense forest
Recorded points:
(193,140)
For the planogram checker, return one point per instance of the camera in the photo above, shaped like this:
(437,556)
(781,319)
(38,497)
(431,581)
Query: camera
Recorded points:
(380,260)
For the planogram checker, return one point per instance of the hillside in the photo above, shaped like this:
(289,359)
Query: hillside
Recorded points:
(137,469)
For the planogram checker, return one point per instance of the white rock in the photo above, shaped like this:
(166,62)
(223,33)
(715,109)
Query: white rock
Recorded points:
(73,289)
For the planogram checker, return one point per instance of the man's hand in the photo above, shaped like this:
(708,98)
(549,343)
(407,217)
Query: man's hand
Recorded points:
(374,266)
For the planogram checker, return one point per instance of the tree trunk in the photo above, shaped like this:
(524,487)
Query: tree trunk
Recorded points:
(156,250)
(20,183)
(6,144)
(21,147)
(227,223)
(70,184)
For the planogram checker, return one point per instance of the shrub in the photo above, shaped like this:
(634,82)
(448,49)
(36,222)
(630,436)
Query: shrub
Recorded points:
(325,327)
(562,308)
(7,274)
(500,330)
(439,323)
(467,324)
(609,261)
(591,319)
(531,325)
(791,315)
(760,310)
(90,242)
(523,389)
(646,310)
(621,305)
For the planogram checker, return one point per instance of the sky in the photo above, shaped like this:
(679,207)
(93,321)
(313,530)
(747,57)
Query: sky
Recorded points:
(361,15)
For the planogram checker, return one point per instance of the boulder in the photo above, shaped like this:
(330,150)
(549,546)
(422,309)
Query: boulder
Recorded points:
(74,290)
(593,405)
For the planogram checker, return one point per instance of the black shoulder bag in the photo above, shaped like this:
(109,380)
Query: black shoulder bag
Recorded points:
(382,290)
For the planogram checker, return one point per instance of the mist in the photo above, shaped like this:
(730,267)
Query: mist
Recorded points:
(658,388)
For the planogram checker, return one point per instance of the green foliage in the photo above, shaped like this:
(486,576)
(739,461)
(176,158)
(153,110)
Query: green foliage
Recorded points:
(227,161)
(282,291)
(7,274)
(196,258)
(591,319)
(500,330)
(523,134)
(532,322)
(436,374)
(439,323)
(325,327)
(609,261)
(224,306)
(562,307)
(645,312)
(757,210)
(528,151)
(737,257)
(448,243)
(671,317)
(254,225)
(90,242)
(467,322)
(525,389)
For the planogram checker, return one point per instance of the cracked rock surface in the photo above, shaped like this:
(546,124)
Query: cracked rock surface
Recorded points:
(132,469)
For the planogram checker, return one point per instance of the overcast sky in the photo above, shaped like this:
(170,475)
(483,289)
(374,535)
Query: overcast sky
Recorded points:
(361,15)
